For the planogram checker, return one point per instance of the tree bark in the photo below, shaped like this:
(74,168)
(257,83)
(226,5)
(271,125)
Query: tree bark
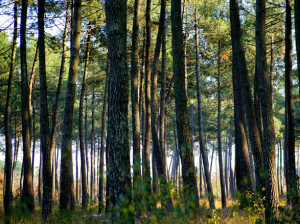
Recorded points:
(27,194)
(146,147)
(44,119)
(135,105)
(84,161)
(182,121)
(8,196)
(243,82)
(119,158)
(66,178)
(222,181)
(293,194)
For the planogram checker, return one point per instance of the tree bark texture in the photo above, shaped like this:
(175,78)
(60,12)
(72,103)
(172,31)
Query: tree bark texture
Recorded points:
(119,158)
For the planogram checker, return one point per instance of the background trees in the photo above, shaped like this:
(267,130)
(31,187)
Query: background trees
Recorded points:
(211,51)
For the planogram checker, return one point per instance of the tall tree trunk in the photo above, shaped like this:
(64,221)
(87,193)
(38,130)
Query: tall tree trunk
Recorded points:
(92,146)
(119,158)
(182,121)
(222,181)
(84,161)
(146,147)
(269,153)
(7,120)
(157,150)
(60,79)
(44,118)
(135,105)
(86,145)
(27,194)
(103,134)
(162,115)
(243,81)
(200,120)
(293,194)
(66,199)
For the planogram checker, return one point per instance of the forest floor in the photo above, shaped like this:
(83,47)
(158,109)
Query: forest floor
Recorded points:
(232,214)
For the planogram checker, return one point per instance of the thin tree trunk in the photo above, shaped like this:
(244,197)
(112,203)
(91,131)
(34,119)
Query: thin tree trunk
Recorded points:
(27,194)
(222,181)
(8,196)
(200,120)
(184,136)
(293,193)
(60,79)
(157,150)
(92,147)
(297,34)
(77,171)
(66,199)
(84,160)
(146,147)
(135,105)
(103,134)
(231,176)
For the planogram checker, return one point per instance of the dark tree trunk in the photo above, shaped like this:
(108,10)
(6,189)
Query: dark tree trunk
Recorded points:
(158,152)
(135,105)
(200,120)
(293,194)
(182,121)
(27,194)
(119,158)
(222,181)
(44,119)
(92,147)
(269,153)
(84,161)
(146,147)
(7,120)
(242,80)
(66,199)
